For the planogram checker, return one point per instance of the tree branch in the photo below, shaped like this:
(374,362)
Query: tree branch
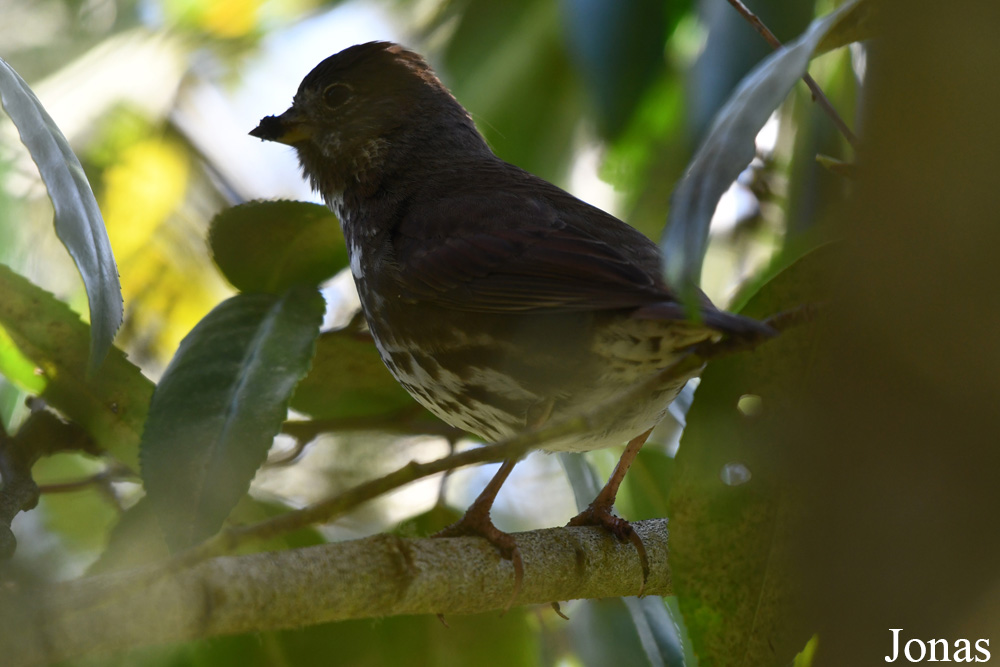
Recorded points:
(377,576)
(42,434)
(414,420)
(818,95)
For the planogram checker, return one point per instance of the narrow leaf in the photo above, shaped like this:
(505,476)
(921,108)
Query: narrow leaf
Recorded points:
(729,148)
(110,405)
(658,634)
(221,401)
(268,246)
(78,220)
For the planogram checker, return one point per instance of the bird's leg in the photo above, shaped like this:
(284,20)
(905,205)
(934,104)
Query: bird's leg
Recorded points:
(477,521)
(599,513)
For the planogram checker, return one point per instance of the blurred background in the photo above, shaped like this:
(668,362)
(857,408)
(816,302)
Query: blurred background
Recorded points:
(606,99)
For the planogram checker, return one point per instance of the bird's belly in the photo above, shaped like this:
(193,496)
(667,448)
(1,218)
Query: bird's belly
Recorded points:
(624,353)
(486,373)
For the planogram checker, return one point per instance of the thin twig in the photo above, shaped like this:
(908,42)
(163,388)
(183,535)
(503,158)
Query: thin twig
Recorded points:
(414,420)
(104,478)
(409,421)
(75,485)
(817,92)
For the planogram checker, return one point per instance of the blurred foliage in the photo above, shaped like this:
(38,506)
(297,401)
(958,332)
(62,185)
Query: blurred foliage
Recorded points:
(271,246)
(635,83)
(148,174)
(729,546)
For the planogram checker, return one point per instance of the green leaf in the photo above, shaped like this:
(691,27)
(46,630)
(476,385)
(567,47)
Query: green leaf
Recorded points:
(78,220)
(221,401)
(18,368)
(729,148)
(269,246)
(507,64)
(348,379)
(402,641)
(618,47)
(806,656)
(856,25)
(110,405)
(728,516)
(582,478)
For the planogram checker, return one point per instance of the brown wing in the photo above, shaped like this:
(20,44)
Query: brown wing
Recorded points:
(508,252)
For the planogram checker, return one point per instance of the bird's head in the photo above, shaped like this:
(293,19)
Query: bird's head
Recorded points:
(364,110)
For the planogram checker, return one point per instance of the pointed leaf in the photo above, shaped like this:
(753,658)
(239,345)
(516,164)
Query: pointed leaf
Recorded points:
(268,246)
(110,405)
(729,148)
(221,401)
(78,220)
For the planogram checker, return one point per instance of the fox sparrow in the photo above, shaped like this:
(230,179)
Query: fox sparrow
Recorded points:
(496,299)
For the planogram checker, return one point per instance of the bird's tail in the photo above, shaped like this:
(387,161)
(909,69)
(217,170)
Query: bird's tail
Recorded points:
(729,324)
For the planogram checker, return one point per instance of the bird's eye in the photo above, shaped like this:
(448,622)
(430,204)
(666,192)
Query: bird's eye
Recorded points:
(336,94)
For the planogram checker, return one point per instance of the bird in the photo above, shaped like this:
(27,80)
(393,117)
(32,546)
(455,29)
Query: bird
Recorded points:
(499,301)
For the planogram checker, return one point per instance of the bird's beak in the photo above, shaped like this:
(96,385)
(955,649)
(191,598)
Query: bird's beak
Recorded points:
(288,128)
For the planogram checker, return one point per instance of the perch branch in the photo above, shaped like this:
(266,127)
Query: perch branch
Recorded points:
(378,576)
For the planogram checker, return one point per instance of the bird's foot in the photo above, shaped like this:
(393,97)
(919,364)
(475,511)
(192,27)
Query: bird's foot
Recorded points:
(600,514)
(477,522)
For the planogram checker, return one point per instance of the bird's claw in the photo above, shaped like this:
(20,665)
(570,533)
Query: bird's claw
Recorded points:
(599,515)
